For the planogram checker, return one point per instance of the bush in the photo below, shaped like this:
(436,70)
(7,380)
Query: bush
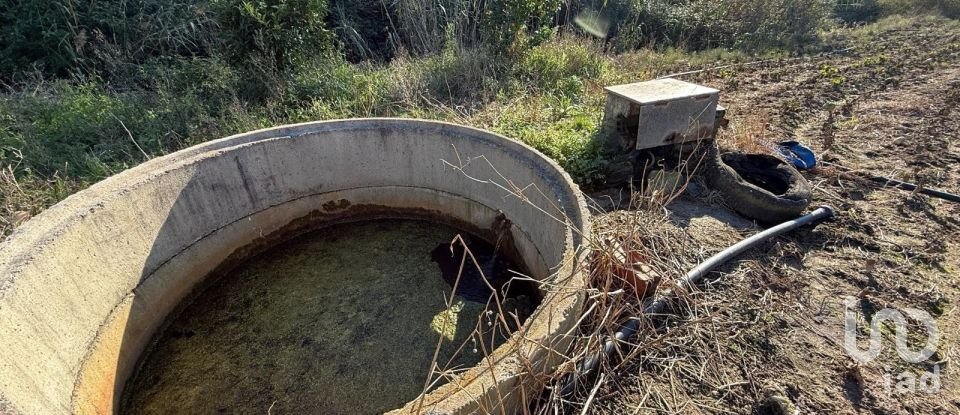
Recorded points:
(334,88)
(84,130)
(554,66)
(211,80)
(855,11)
(458,75)
(511,26)
(948,8)
(63,36)
(72,130)
(858,11)
(504,27)
(110,38)
(703,24)
(428,26)
(786,24)
(267,37)
(566,135)
(278,32)
(364,31)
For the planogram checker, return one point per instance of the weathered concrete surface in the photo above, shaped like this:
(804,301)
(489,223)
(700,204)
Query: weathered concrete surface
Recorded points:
(657,113)
(85,285)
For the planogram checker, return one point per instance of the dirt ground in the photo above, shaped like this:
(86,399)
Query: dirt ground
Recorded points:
(767,334)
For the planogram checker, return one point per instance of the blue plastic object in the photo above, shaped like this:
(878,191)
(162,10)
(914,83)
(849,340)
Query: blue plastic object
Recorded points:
(801,156)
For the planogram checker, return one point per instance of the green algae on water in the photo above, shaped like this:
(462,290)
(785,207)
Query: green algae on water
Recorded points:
(342,320)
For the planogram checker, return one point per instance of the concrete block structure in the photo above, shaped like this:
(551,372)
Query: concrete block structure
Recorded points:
(657,113)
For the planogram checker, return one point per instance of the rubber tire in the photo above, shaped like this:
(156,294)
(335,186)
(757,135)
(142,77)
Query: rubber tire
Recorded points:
(726,173)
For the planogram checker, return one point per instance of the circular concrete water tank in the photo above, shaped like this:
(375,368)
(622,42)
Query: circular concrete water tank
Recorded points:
(86,285)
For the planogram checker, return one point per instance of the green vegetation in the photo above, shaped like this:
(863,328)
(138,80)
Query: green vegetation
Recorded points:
(948,8)
(92,88)
(750,25)
(868,10)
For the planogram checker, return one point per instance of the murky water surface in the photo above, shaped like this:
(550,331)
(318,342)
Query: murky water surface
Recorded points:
(340,321)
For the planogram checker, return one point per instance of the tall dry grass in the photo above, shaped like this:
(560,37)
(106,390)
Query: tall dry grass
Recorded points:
(750,134)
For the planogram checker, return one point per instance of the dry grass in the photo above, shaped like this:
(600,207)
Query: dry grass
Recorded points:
(674,352)
(750,134)
(661,354)
(637,254)
(697,346)
(21,199)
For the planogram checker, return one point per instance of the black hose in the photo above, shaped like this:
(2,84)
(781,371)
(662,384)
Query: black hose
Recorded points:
(910,187)
(588,366)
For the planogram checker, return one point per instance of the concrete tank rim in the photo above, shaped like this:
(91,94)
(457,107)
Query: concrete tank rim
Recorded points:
(22,244)
(72,207)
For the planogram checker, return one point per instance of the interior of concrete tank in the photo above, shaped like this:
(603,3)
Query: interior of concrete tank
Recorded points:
(344,319)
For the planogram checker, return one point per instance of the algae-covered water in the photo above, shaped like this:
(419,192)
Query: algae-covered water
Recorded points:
(340,321)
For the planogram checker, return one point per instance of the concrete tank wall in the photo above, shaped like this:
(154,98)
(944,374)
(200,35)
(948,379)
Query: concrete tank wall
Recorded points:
(85,285)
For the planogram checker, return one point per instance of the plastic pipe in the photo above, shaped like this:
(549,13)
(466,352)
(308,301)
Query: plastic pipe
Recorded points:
(910,187)
(588,366)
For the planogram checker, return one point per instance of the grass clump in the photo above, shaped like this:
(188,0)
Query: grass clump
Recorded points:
(704,24)
(267,37)
(458,74)
(561,66)
(564,132)
(333,88)
(66,36)
(74,129)
(947,8)
(871,10)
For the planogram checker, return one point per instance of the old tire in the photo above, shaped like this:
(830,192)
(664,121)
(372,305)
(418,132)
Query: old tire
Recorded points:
(759,186)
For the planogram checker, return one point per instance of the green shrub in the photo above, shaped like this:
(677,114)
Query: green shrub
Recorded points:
(279,32)
(267,37)
(561,65)
(509,27)
(948,8)
(212,80)
(63,36)
(566,136)
(641,24)
(72,130)
(869,10)
(364,31)
(428,26)
(334,88)
(458,74)
(505,27)
(110,38)
(854,11)
(702,24)
(83,130)
(786,24)
(24,42)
